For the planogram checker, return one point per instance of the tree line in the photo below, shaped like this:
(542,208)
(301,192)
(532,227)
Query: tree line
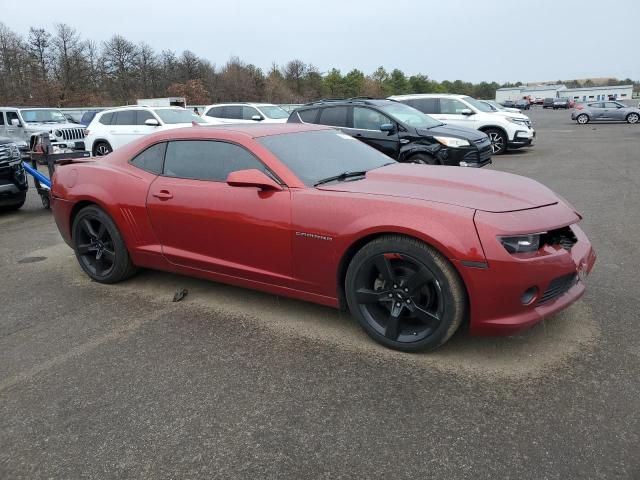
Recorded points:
(60,68)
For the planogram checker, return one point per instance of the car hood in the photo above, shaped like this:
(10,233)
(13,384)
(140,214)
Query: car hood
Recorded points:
(485,190)
(51,126)
(452,131)
(519,116)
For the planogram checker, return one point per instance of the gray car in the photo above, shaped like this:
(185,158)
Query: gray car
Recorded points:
(605,111)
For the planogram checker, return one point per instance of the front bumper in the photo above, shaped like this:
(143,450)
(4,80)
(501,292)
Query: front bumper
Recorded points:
(474,156)
(522,138)
(558,275)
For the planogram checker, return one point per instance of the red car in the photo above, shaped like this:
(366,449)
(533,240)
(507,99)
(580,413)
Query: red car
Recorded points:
(413,251)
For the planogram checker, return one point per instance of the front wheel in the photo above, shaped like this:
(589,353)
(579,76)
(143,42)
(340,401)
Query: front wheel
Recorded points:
(99,247)
(424,159)
(498,140)
(405,294)
(101,149)
(633,118)
(582,119)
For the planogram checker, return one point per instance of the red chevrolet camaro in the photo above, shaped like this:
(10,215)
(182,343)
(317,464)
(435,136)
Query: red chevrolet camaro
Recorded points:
(413,251)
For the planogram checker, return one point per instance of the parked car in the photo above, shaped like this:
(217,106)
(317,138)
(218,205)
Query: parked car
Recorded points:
(113,128)
(509,104)
(548,102)
(307,212)
(539,101)
(522,104)
(23,125)
(399,131)
(561,102)
(13,179)
(245,113)
(496,107)
(605,111)
(506,130)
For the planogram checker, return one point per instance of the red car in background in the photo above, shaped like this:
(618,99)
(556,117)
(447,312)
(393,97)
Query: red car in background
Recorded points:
(413,251)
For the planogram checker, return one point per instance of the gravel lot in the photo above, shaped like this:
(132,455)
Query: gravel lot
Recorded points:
(119,382)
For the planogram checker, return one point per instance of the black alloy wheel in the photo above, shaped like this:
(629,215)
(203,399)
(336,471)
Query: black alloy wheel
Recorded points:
(498,140)
(99,247)
(405,294)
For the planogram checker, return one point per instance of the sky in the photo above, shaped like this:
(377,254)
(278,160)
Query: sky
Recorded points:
(470,40)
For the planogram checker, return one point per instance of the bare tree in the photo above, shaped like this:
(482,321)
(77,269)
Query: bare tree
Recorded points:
(119,57)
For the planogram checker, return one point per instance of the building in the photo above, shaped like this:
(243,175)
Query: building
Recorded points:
(585,94)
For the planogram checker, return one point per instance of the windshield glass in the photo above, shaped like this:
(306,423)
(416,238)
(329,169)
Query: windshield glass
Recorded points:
(483,107)
(178,115)
(410,116)
(37,116)
(273,111)
(316,155)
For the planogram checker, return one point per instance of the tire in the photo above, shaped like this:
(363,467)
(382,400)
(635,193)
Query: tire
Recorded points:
(99,247)
(498,140)
(424,159)
(20,199)
(405,294)
(101,149)
(582,119)
(633,118)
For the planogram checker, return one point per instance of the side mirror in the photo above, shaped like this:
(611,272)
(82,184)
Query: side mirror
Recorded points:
(387,127)
(466,111)
(152,122)
(257,118)
(252,178)
(15,122)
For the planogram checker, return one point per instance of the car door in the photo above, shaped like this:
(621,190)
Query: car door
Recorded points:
(597,111)
(15,132)
(206,224)
(365,126)
(122,128)
(233,114)
(249,112)
(141,128)
(615,111)
(451,112)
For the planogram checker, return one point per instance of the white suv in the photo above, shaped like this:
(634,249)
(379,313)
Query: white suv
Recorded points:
(505,129)
(245,113)
(113,128)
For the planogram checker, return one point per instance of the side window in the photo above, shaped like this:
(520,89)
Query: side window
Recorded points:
(207,160)
(1,118)
(215,112)
(334,116)
(12,116)
(142,116)
(368,119)
(308,116)
(248,112)
(611,105)
(125,117)
(151,159)
(233,112)
(106,118)
(595,105)
(451,106)
(425,105)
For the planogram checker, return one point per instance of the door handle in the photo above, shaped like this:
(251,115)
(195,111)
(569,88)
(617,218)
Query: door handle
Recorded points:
(163,195)
(10,131)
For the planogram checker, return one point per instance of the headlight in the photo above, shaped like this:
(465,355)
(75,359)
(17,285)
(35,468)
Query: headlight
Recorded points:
(57,133)
(518,121)
(452,142)
(521,243)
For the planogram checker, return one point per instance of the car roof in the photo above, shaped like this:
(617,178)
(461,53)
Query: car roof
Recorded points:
(137,107)
(256,130)
(427,95)
(251,104)
(351,101)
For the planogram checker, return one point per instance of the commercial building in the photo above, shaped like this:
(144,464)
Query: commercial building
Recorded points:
(585,94)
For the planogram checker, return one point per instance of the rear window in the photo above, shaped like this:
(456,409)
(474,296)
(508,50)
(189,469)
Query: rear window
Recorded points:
(309,115)
(151,159)
(334,116)
(106,118)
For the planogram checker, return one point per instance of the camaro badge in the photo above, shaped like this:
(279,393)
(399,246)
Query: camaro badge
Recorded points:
(313,235)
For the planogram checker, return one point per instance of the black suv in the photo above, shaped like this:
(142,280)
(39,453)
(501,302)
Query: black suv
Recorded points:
(399,131)
(13,179)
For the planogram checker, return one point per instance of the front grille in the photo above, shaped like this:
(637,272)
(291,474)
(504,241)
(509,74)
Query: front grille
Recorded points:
(557,287)
(72,133)
(563,237)
(5,152)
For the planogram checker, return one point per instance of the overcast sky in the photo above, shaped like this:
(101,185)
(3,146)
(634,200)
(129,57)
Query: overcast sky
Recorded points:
(471,40)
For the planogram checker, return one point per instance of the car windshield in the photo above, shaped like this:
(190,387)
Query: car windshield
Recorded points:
(43,116)
(483,107)
(273,111)
(410,116)
(178,115)
(316,155)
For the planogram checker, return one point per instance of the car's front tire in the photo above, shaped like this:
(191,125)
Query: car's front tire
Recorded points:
(101,149)
(633,118)
(424,159)
(405,294)
(582,119)
(99,246)
(498,140)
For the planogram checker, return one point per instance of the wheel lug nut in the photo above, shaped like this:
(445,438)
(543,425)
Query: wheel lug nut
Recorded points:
(408,300)
(391,294)
(398,304)
(406,290)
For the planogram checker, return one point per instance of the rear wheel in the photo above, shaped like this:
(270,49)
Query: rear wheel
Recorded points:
(582,119)
(99,247)
(102,148)
(633,118)
(405,294)
(498,140)
(424,159)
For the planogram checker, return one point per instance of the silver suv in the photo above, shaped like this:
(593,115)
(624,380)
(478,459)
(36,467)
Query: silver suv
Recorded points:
(22,125)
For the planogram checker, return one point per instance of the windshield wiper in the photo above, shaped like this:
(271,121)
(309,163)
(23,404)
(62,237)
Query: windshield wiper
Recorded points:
(343,176)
